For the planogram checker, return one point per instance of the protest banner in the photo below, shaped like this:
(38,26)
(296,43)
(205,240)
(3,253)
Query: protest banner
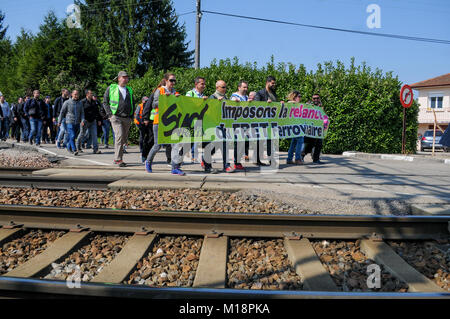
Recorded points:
(198,120)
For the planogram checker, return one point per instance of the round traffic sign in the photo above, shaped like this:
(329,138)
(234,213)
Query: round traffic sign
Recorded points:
(406,96)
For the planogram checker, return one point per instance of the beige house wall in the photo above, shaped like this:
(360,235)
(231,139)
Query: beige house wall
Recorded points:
(426,117)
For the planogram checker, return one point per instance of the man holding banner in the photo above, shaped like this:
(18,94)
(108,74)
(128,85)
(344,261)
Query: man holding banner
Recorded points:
(269,95)
(314,145)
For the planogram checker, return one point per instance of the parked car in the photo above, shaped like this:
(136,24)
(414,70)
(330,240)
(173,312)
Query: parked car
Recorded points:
(427,141)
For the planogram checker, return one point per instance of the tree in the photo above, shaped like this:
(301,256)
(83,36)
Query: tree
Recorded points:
(58,56)
(2,28)
(141,34)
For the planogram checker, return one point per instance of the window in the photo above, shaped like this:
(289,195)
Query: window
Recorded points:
(436,100)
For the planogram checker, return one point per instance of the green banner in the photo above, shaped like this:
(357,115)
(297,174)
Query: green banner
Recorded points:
(187,119)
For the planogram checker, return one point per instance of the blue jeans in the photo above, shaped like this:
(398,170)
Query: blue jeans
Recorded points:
(25,129)
(62,134)
(106,126)
(296,145)
(72,130)
(89,128)
(35,130)
(4,128)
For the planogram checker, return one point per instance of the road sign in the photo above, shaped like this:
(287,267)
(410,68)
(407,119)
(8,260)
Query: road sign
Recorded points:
(406,96)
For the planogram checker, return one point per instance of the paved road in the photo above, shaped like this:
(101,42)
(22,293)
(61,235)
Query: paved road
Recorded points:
(359,184)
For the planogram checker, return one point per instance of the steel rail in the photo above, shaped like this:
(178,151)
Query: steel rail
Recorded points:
(62,288)
(228,224)
(55,182)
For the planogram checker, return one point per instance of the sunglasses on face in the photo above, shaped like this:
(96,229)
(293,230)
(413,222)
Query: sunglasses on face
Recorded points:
(173,80)
(223,87)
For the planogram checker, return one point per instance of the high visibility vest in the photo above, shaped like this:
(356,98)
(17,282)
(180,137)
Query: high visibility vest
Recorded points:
(154,113)
(114,98)
(138,114)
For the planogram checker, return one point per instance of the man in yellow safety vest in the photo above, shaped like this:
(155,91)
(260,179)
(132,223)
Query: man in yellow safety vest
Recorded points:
(118,105)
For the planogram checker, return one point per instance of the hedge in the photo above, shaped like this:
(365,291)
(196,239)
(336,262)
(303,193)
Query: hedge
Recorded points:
(363,105)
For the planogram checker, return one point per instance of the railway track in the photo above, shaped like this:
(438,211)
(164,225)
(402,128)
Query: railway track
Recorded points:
(24,178)
(214,242)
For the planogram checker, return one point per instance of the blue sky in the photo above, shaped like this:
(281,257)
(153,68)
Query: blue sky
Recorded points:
(225,37)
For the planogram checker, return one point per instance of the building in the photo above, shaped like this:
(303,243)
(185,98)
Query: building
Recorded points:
(433,94)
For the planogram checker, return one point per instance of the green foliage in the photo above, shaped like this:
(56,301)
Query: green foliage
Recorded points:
(363,105)
(133,136)
(2,28)
(140,34)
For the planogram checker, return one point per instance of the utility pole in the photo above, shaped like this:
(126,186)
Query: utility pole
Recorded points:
(197,36)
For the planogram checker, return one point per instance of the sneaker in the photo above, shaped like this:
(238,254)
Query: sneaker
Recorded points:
(38,145)
(210,170)
(97,152)
(148,166)
(106,146)
(299,162)
(290,162)
(178,171)
(143,159)
(75,153)
(120,163)
(229,169)
(31,142)
(259,163)
(80,151)
(317,162)
(239,167)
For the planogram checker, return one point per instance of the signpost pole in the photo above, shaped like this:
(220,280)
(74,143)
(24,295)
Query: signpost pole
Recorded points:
(406,99)
(404,132)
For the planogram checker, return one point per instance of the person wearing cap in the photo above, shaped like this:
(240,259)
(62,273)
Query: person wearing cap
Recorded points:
(118,104)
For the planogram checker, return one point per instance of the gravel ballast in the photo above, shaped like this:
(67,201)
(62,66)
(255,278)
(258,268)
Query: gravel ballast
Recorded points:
(348,267)
(260,264)
(10,158)
(180,199)
(18,251)
(430,258)
(89,260)
(172,262)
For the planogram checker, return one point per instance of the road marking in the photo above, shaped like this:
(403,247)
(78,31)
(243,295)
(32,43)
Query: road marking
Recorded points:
(398,158)
(74,158)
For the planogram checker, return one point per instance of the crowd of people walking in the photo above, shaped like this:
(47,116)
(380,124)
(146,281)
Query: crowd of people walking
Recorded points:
(75,122)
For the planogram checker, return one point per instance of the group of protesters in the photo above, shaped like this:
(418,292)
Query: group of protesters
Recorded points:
(72,122)
(147,119)
(35,121)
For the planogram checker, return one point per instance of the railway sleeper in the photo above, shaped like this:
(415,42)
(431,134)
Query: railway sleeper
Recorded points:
(205,262)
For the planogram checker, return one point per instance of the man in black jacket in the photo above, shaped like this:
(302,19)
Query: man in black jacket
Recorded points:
(36,109)
(48,126)
(314,145)
(92,118)
(267,94)
(16,123)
